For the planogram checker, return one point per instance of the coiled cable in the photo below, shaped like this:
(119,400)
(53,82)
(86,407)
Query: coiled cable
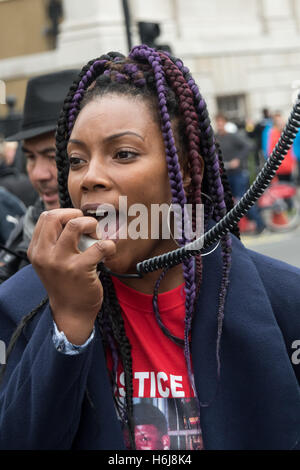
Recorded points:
(227,223)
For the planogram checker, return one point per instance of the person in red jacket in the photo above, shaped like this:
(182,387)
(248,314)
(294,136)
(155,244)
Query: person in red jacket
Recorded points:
(287,168)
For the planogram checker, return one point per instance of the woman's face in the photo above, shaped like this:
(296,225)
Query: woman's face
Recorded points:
(116,149)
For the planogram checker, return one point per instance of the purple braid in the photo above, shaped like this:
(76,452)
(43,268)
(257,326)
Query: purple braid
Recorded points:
(208,142)
(175,339)
(210,155)
(95,69)
(114,68)
(186,106)
(176,182)
(188,267)
(142,53)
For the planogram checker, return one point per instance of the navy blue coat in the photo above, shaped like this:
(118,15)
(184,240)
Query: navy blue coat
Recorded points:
(256,405)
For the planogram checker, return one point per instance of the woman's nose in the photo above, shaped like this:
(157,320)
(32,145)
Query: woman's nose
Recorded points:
(96,177)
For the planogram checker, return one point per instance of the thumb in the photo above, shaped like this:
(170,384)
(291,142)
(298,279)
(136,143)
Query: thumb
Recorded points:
(98,251)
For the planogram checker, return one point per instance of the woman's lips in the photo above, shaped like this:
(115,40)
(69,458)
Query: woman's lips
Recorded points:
(109,222)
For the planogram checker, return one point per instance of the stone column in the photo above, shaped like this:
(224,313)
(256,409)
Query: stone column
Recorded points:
(90,29)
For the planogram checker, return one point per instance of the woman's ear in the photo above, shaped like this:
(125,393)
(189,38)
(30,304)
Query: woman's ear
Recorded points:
(187,176)
(186,181)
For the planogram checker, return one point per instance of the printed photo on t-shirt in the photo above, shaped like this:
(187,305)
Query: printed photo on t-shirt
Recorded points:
(166,424)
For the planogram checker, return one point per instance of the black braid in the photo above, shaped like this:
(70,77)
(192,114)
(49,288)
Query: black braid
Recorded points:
(227,189)
(112,310)
(16,334)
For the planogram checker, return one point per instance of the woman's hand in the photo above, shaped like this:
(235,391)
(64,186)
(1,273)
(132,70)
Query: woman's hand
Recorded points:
(69,276)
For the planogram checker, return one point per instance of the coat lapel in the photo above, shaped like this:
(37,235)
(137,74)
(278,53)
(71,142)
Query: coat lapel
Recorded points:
(99,427)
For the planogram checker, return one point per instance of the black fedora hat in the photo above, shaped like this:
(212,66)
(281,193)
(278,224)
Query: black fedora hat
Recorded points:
(44,99)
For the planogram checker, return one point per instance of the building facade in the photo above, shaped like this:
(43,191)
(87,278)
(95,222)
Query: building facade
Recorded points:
(243,55)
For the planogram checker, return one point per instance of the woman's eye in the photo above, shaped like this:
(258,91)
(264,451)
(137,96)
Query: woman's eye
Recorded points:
(125,155)
(75,161)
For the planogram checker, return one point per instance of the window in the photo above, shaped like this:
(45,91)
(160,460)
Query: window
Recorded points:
(233,106)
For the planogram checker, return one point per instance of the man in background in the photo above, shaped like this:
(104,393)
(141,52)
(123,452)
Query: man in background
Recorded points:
(43,102)
(235,151)
(11,178)
(260,133)
(11,209)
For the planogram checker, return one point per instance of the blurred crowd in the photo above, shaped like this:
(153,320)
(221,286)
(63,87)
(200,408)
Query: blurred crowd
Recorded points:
(255,141)
(28,177)
(245,147)
(28,174)
(16,190)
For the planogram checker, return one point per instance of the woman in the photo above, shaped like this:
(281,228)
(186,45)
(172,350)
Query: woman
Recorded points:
(88,350)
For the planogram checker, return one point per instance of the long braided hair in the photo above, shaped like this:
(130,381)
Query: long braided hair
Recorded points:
(175,99)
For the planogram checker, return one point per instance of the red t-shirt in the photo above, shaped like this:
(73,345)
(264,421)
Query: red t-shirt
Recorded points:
(159,367)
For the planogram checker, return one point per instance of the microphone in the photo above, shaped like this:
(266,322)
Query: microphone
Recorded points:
(85,242)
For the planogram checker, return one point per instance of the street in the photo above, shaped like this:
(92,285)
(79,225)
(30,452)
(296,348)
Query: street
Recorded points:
(283,246)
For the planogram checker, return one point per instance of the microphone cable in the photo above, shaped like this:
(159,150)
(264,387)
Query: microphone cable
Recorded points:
(227,223)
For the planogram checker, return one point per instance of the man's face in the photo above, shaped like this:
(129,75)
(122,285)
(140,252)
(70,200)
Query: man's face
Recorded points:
(279,121)
(148,437)
(220,123)
(40,156)
(10,152)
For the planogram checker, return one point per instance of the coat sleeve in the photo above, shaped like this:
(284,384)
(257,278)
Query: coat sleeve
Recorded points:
(42,390)
(282,284)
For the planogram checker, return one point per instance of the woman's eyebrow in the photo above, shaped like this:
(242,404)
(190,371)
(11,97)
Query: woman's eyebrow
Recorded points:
(76,141)
(121,134)
(108,138)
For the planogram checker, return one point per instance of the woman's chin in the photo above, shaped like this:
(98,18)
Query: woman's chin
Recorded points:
(118,265)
